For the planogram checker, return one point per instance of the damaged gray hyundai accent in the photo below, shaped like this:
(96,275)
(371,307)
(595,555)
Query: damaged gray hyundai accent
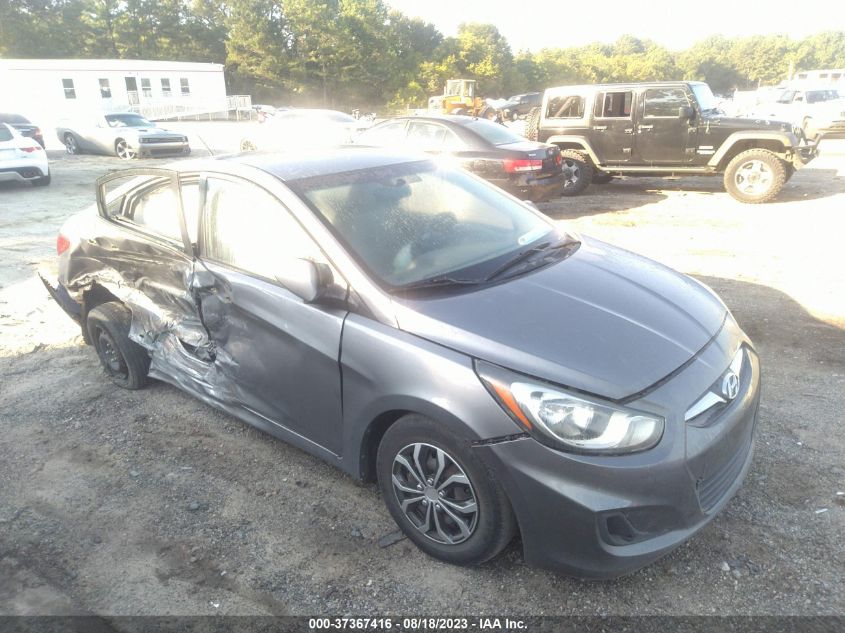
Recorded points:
(415,325)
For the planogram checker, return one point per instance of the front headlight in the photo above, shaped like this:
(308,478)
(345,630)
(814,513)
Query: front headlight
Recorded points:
(566,421)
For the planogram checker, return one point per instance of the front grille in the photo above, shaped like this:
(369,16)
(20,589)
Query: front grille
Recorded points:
(165,139)
(711,489)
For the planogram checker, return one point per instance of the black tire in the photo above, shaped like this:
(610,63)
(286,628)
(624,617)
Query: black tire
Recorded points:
(42,182)
(532,124)
(493,525)
(755,176)
(71,144)
(123,151)
(578,170)
(125,362)
(601,177)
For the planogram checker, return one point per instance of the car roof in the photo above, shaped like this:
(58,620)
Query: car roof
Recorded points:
(457,119)
(307,163)
(630,84)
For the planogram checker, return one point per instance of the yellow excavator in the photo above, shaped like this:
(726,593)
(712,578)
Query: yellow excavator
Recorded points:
(459,98)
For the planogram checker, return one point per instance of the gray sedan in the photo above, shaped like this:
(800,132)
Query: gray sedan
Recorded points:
(126,135)
(410,323)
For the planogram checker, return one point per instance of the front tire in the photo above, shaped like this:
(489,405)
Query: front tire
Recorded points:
(123,150)
(755,176)
(125,362)
(71,144)
(441,495)
(578,172)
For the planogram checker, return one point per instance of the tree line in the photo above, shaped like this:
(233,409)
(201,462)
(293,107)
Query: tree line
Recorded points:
(362,53)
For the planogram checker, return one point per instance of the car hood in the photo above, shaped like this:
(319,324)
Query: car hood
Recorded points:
(747,123)
(604,321)
(154,131)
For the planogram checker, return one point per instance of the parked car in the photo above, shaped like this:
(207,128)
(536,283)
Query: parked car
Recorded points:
(23,125)
(526,169)
(22,158)
(302,128)
(408,322)
(666,128)
(520,105)
(819,112)
(124,134)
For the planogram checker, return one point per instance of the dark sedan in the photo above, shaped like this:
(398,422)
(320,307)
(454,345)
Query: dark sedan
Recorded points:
(24,126)
(526,169)
(408,322)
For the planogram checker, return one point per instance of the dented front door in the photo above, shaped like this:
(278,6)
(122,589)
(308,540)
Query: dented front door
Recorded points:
(280,353)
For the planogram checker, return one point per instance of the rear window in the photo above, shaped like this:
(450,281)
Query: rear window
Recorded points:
(493,133)
(565,107)
(12,118)
(5,133)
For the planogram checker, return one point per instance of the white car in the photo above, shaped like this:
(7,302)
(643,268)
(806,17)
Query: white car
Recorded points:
(302,128)
(818,111)
(22,158)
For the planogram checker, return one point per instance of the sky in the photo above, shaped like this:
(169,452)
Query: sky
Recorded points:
(675,24)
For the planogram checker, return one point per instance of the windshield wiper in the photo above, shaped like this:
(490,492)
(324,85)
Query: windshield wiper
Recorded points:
(544,247)
(437,282)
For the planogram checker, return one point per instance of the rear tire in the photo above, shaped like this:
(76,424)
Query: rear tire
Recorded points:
(480,504)
(578,170)
(125,362)
(755,176)
(532,124)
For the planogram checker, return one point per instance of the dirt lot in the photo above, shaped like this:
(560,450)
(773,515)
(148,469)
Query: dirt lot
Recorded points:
(151,502)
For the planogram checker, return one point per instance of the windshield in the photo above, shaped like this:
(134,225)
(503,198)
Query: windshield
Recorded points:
(704,96)
(493,133)
(127,120)
(416,221)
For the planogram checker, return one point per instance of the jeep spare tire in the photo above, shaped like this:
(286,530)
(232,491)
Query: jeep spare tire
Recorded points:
(532,124)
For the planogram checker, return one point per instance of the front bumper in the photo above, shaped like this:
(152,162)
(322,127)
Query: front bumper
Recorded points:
(145,150)
(602,517)
(804,153)
(535,188)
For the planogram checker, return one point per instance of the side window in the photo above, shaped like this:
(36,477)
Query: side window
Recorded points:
(426,136)
(565,107)
(664,102)
(70,91)
(387,134)
(157,211)
(613,105)
(247,228)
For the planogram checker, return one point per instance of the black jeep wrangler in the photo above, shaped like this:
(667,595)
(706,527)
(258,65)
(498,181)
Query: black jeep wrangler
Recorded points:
(661,129)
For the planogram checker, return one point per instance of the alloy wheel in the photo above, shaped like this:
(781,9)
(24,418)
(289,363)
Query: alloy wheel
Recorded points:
(571,173)
(435,493)
(753,177)
(124,151)
(70,144)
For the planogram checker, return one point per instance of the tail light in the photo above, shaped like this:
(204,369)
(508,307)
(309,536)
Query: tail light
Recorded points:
(62,244)
(29,150)
(523,164)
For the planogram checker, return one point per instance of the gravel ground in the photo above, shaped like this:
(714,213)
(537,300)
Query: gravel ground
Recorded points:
(150,502)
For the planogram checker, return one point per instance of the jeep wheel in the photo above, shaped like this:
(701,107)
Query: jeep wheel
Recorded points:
(755,175)
(532,124)
(578,172)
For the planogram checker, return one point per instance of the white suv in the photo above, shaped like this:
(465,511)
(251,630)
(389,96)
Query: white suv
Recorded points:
(22,158)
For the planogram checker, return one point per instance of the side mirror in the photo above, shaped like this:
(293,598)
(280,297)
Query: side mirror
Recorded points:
(686,112)
(306,279)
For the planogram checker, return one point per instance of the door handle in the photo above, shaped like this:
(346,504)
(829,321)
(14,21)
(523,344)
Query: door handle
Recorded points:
(645,127)
(599,128)
(629,130)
